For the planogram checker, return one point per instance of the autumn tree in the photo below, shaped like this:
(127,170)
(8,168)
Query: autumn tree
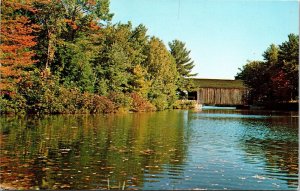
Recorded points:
(17,40)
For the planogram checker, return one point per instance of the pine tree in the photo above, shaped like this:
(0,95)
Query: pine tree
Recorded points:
(183,61)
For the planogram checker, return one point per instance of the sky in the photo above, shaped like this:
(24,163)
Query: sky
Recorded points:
(221,34)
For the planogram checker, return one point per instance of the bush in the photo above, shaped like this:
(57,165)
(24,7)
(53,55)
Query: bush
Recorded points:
(121,101)
(102,104)
(70,100)
(10,104)
(140,104)
(161,102)
(184,104)
(40,92)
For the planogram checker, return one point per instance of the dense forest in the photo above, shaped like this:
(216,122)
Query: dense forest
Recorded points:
(66,56)
(274,80)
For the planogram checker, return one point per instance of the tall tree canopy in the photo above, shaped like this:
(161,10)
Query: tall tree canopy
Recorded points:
(163,74)
(83,62)
(17,39)
(276,78)
(184,65)
(182,58)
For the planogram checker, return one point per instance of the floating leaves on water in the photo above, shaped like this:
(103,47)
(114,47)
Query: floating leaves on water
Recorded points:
(147,152)
(259,177)
(65,186)
(44,169)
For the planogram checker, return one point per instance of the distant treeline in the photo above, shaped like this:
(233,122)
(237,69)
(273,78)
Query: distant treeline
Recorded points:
(65,56)
(275,80)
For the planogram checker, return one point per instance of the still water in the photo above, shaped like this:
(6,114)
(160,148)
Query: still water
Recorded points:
(212,149)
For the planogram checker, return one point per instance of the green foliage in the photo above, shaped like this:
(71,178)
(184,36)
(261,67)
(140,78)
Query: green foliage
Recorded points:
(113,60)
(40,92)
(76,68)
(12,104)
(184,104)
(163,74)
(87,65)
(138,81)
(121,100)
(288,58)
(184,66)
(274,80)
(183,61)
(161,102)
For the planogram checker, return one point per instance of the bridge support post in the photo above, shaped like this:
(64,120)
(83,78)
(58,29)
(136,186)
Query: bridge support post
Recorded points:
(198,103)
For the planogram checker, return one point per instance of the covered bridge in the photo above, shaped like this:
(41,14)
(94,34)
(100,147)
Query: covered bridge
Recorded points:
(219,92)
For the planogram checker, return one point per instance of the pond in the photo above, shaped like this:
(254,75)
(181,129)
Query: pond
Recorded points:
(211,149)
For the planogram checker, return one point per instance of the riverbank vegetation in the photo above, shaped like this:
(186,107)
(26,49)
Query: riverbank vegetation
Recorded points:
(66,56)
(275,80)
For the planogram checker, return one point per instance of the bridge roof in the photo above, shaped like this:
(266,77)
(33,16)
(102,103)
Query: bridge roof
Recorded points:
(218,83)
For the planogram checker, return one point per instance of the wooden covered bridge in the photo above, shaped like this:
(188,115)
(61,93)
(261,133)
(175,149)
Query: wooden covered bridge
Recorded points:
(219,92)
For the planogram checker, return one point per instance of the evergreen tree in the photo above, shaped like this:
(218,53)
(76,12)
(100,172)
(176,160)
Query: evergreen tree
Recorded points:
(183,61)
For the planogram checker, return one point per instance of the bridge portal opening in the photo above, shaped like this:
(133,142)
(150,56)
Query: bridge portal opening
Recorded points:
(192,95)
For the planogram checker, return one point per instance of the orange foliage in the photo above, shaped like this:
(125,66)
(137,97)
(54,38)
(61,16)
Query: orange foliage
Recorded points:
(94,26)
(71,23)
(16,40)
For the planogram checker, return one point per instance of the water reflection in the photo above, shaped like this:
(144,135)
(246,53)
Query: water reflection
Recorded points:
(212,149)
(276,145)
(83,152)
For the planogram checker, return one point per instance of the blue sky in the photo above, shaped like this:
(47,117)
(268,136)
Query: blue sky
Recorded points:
(221,34)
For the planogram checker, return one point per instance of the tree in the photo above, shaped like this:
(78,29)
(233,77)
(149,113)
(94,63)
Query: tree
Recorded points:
(163,74)
(50,16)
(184,66)
(113,60)
(271,55)
(182,59)
(17,40)
(66,20)
(255,76)
(288,59)
(75,64)
(276,79)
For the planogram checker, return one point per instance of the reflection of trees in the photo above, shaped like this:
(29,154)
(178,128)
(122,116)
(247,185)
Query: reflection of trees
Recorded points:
(277,145)
(83,152)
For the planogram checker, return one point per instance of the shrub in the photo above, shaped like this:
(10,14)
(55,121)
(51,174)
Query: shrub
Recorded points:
(122,101)
(102,104)
(12,104)
(140,104)
(184,104)
(160,102)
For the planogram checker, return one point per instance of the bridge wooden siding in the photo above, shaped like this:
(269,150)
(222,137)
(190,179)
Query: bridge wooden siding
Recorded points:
(220,92)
